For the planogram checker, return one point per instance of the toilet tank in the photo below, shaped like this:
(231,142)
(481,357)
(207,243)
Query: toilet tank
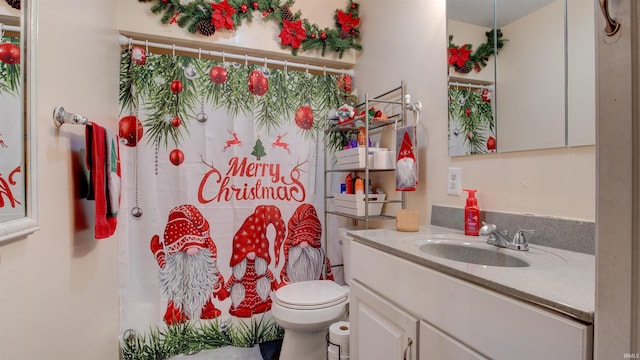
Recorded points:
(345,242)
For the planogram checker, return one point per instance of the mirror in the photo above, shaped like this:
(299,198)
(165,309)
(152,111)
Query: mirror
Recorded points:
(540,84)
(18,202)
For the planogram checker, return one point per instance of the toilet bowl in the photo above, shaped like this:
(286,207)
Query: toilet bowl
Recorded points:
(305,310)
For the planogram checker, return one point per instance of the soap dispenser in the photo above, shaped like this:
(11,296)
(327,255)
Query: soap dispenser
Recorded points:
(471,214)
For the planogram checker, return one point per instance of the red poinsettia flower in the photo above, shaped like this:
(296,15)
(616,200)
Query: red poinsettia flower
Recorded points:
(459,56)
(292,33)
(221,17)
(346,21)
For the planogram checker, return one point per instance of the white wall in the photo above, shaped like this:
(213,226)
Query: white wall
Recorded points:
(59,286)
(411,46)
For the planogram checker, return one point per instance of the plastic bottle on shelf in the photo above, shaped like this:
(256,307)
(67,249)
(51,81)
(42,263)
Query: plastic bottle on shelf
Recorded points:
(359,185)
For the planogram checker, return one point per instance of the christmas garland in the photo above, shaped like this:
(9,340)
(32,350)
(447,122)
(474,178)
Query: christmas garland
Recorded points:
(205,17)
(463,58)
(14,4)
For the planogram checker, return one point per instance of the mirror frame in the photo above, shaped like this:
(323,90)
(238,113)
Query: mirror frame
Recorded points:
(13,229)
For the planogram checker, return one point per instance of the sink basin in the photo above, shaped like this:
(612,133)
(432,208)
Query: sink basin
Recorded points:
(465,252)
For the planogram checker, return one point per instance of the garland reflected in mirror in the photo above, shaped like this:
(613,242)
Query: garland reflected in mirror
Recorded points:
(18,204)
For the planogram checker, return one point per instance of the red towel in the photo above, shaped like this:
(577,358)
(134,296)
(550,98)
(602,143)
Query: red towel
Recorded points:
(105,225)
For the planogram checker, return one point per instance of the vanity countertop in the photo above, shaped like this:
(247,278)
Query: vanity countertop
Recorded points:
(566,286)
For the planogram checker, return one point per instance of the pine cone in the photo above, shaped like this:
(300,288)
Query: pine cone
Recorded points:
(205,27)
(286,13)
(14,4)
(464,69)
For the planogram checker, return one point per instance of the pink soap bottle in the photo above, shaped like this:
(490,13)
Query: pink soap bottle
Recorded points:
(471,214)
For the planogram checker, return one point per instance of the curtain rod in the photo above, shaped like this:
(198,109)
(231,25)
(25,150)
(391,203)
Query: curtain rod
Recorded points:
(4,27)
(129,41)
(469,85)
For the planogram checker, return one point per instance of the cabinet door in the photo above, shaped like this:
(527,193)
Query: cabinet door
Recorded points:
(436,345)
(379,329)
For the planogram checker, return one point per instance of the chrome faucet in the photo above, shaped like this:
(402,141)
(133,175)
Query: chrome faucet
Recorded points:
(501,238)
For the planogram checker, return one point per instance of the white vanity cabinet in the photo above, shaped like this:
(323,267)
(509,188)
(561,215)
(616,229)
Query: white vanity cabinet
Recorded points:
(381,329)
(455,319)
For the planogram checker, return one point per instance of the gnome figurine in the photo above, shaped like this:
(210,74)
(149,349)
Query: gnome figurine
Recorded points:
(189,274)
(303,253)
(251,283)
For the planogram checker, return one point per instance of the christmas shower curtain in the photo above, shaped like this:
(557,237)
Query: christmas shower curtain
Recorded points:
(12,191)
(222,199)
(471,122)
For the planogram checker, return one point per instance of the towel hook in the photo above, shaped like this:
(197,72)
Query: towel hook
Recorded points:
(612,26)
(60,116)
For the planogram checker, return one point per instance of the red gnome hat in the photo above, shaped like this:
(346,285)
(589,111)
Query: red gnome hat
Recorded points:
(187,227)
(304,225)
(406,149)
(252,235)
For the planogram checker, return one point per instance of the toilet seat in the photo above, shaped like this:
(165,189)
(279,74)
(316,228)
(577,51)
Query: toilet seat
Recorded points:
(309,295)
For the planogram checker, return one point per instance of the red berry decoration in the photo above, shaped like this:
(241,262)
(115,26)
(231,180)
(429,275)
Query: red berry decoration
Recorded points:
(255,5)
(9,53)
(323,35)
(176,121)
(467,112)
(491,143)
(344,83)
(176,156)
(312,36)
(138,55)
(218,74)
(258,83)
(486,95)
(130,130)
(304,117)
(244,8)
(176,86)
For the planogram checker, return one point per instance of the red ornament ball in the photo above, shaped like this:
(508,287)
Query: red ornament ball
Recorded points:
(218,74)
(258,83)
(323,35)
(312,36)
(130,130)
(467,112)
(255,5)
(304,117)
(176,121)
(176,86)
(176,156)
(344,83)
(353,6)
(491,143)
(9,53)
(244,8)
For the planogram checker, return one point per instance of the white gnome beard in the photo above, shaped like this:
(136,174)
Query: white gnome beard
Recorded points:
(406,172)
(263,284)
(237,289)
(189,280)
(305,264)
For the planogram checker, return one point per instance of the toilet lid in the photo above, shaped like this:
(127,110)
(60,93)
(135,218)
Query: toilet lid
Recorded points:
(311,294)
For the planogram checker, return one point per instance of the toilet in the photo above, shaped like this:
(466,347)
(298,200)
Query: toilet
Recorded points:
(306,309)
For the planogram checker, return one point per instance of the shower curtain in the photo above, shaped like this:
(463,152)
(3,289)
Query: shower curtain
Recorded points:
(222,182)
(472,125)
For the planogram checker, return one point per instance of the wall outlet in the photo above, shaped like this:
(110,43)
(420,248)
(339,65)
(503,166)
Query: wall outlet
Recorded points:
(454,181)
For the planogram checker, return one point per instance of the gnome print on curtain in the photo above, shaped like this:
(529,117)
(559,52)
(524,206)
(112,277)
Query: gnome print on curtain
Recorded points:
(189,273)
(303,253)
(252,281)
